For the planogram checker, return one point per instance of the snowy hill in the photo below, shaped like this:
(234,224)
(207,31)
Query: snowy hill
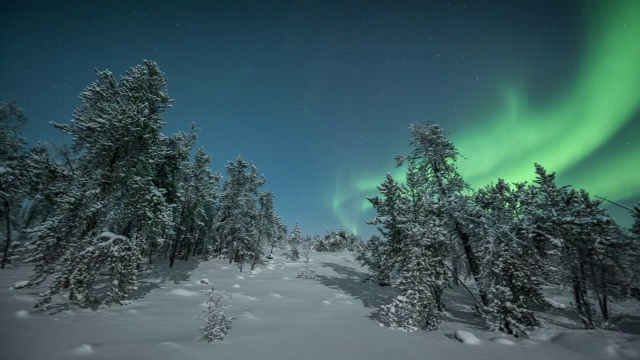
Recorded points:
(275,316)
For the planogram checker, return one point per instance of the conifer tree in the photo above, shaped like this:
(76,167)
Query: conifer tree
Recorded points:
(117,144)
(586,240)
(15,176)
(433,158)
(511,268)
(294,242)
(239,209)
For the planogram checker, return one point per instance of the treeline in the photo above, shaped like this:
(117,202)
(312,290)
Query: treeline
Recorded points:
(92,213)
(509,239)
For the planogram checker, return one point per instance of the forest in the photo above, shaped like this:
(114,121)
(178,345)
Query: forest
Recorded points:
(92,214)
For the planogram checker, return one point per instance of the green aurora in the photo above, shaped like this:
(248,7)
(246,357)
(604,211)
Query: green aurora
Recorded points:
(568,135)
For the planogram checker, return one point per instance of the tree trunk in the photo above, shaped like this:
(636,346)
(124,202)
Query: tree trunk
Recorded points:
(255,251)
(7,245)
(473,263)
(174,250)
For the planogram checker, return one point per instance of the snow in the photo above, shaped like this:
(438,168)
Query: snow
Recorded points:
(183,292)
(84,349)
(556,304)
(466,337)
(330,317)
(20,284)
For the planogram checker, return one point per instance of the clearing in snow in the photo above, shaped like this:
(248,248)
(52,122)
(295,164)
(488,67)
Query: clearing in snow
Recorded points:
(278,316)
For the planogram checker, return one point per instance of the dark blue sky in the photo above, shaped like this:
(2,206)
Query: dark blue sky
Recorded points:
(318,94)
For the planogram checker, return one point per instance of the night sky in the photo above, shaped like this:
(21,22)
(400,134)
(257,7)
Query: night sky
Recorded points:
(320,94)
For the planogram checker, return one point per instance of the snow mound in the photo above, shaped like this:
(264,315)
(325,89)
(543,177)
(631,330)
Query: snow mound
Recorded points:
(19,284)
(256,271)
(286,278)
(466,337)
(240,277)
(224,267)
(245,297)
(270,267)
(247,316)
(598,344)
(23,314)
(275,295)
(236,286)
(555,304)
(502,341)
(171,344)
(204,281)
(84,349)
(326,302)
(183,292)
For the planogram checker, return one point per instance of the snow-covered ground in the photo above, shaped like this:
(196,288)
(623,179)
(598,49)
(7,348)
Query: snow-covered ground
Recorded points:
(278,316)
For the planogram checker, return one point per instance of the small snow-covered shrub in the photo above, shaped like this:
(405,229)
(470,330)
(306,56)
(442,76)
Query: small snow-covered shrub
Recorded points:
(411,311)
(216,325)
(507,314)
(306,273)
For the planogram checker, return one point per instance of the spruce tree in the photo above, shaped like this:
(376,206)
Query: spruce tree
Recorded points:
(294,242)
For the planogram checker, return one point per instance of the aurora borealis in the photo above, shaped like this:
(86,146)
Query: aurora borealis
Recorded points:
(565,133)
(320,95)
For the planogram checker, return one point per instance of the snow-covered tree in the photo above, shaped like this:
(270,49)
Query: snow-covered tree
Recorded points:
(589,247)
(15,175)
(337,241)
(416,248)
(280,236)
(117,144)
(512,270)
(635,228)
(373,255)
(294,242)
(216,324)
(267,223)
(422,277)
(239,209)
(433,159)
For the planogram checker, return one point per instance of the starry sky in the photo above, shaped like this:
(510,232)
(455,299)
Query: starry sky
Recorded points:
(320,94)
